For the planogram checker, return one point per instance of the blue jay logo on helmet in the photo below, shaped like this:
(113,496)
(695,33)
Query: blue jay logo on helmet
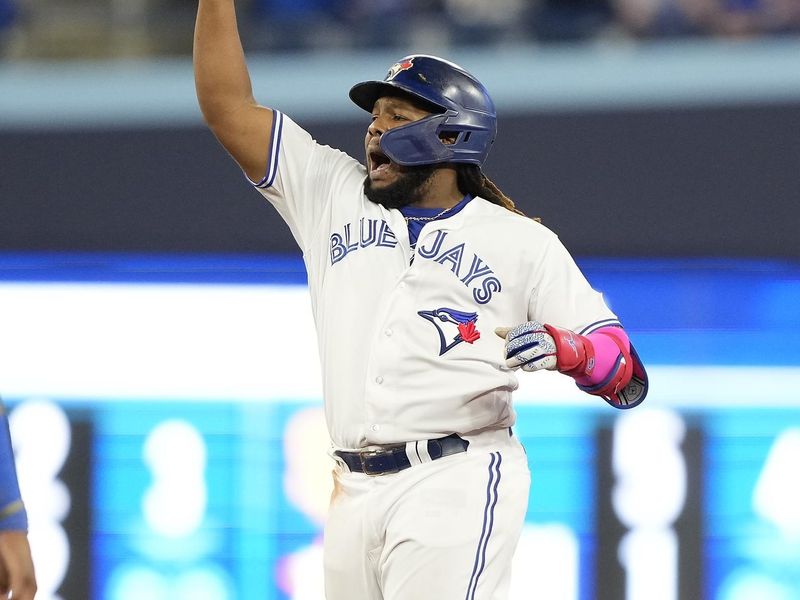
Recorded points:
(403,65)
(454,326)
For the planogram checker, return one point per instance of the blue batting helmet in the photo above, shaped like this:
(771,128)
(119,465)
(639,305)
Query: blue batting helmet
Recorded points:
(462,108)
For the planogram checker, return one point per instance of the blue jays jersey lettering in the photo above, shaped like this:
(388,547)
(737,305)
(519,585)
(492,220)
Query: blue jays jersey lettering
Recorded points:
(371,232)
(405,344)
(456,258)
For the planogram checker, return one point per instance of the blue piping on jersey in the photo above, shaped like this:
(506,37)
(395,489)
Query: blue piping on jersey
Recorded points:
(598,325)
(275,146)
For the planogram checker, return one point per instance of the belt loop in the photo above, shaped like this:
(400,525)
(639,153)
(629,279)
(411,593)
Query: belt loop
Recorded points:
(412,453)
(422,450)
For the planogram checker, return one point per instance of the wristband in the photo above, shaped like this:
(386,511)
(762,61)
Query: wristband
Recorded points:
(574,352)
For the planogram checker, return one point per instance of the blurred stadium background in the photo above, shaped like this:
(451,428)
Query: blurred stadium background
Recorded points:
(155,324)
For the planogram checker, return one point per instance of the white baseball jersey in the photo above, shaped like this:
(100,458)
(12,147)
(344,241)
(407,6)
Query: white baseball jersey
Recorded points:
(408,348)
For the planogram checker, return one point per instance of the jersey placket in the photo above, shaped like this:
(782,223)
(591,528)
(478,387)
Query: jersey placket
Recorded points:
(380,386)
(383,387)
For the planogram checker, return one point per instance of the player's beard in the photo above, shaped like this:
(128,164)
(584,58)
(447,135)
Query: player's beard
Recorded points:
(409,187)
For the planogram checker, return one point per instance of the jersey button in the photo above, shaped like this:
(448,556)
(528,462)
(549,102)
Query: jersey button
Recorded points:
(401,285)
(376,427)
(379,380)
(388,333)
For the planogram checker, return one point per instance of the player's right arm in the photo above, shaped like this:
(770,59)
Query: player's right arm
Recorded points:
(224,90)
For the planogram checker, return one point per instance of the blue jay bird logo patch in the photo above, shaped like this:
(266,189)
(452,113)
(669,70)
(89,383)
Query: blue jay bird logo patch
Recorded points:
(453,326)
(399,66)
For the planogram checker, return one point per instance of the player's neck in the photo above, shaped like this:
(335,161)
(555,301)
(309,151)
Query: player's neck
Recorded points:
(441,191)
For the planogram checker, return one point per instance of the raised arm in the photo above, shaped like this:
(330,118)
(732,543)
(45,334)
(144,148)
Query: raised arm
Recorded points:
(224,90)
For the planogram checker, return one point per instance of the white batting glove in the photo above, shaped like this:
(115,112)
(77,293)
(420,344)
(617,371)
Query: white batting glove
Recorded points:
(529,346)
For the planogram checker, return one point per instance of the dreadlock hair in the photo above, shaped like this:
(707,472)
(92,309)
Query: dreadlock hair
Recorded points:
(471,180)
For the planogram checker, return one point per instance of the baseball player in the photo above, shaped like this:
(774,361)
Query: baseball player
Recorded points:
(415,261)
(17,579)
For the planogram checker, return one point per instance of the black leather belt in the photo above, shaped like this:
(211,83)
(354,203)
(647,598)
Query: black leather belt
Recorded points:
(391,459)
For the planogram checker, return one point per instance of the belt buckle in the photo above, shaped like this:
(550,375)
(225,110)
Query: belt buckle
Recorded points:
(367,454)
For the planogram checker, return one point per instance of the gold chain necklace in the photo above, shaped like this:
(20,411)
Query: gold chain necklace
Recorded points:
(433,218)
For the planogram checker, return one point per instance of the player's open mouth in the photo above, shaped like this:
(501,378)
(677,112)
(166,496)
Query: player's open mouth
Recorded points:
(378,162)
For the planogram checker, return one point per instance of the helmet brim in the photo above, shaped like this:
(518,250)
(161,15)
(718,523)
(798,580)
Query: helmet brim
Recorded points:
(366,93)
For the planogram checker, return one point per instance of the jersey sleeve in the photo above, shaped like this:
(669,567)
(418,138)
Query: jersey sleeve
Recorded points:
(562,296)
(303,177)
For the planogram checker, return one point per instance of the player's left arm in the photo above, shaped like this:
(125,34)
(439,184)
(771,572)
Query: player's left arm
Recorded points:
(602,363)
(571,329)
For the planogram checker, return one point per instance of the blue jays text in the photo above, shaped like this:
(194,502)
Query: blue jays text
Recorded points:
(472,272)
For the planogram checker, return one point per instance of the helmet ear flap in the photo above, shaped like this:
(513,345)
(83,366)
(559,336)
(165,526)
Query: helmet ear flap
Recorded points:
(435,139)
(417,143)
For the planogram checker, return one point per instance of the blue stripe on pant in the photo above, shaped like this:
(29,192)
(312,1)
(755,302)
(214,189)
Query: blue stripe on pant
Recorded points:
(488,522)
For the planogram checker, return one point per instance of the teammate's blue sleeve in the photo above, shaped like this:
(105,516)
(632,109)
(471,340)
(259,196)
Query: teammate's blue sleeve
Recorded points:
(12,510)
